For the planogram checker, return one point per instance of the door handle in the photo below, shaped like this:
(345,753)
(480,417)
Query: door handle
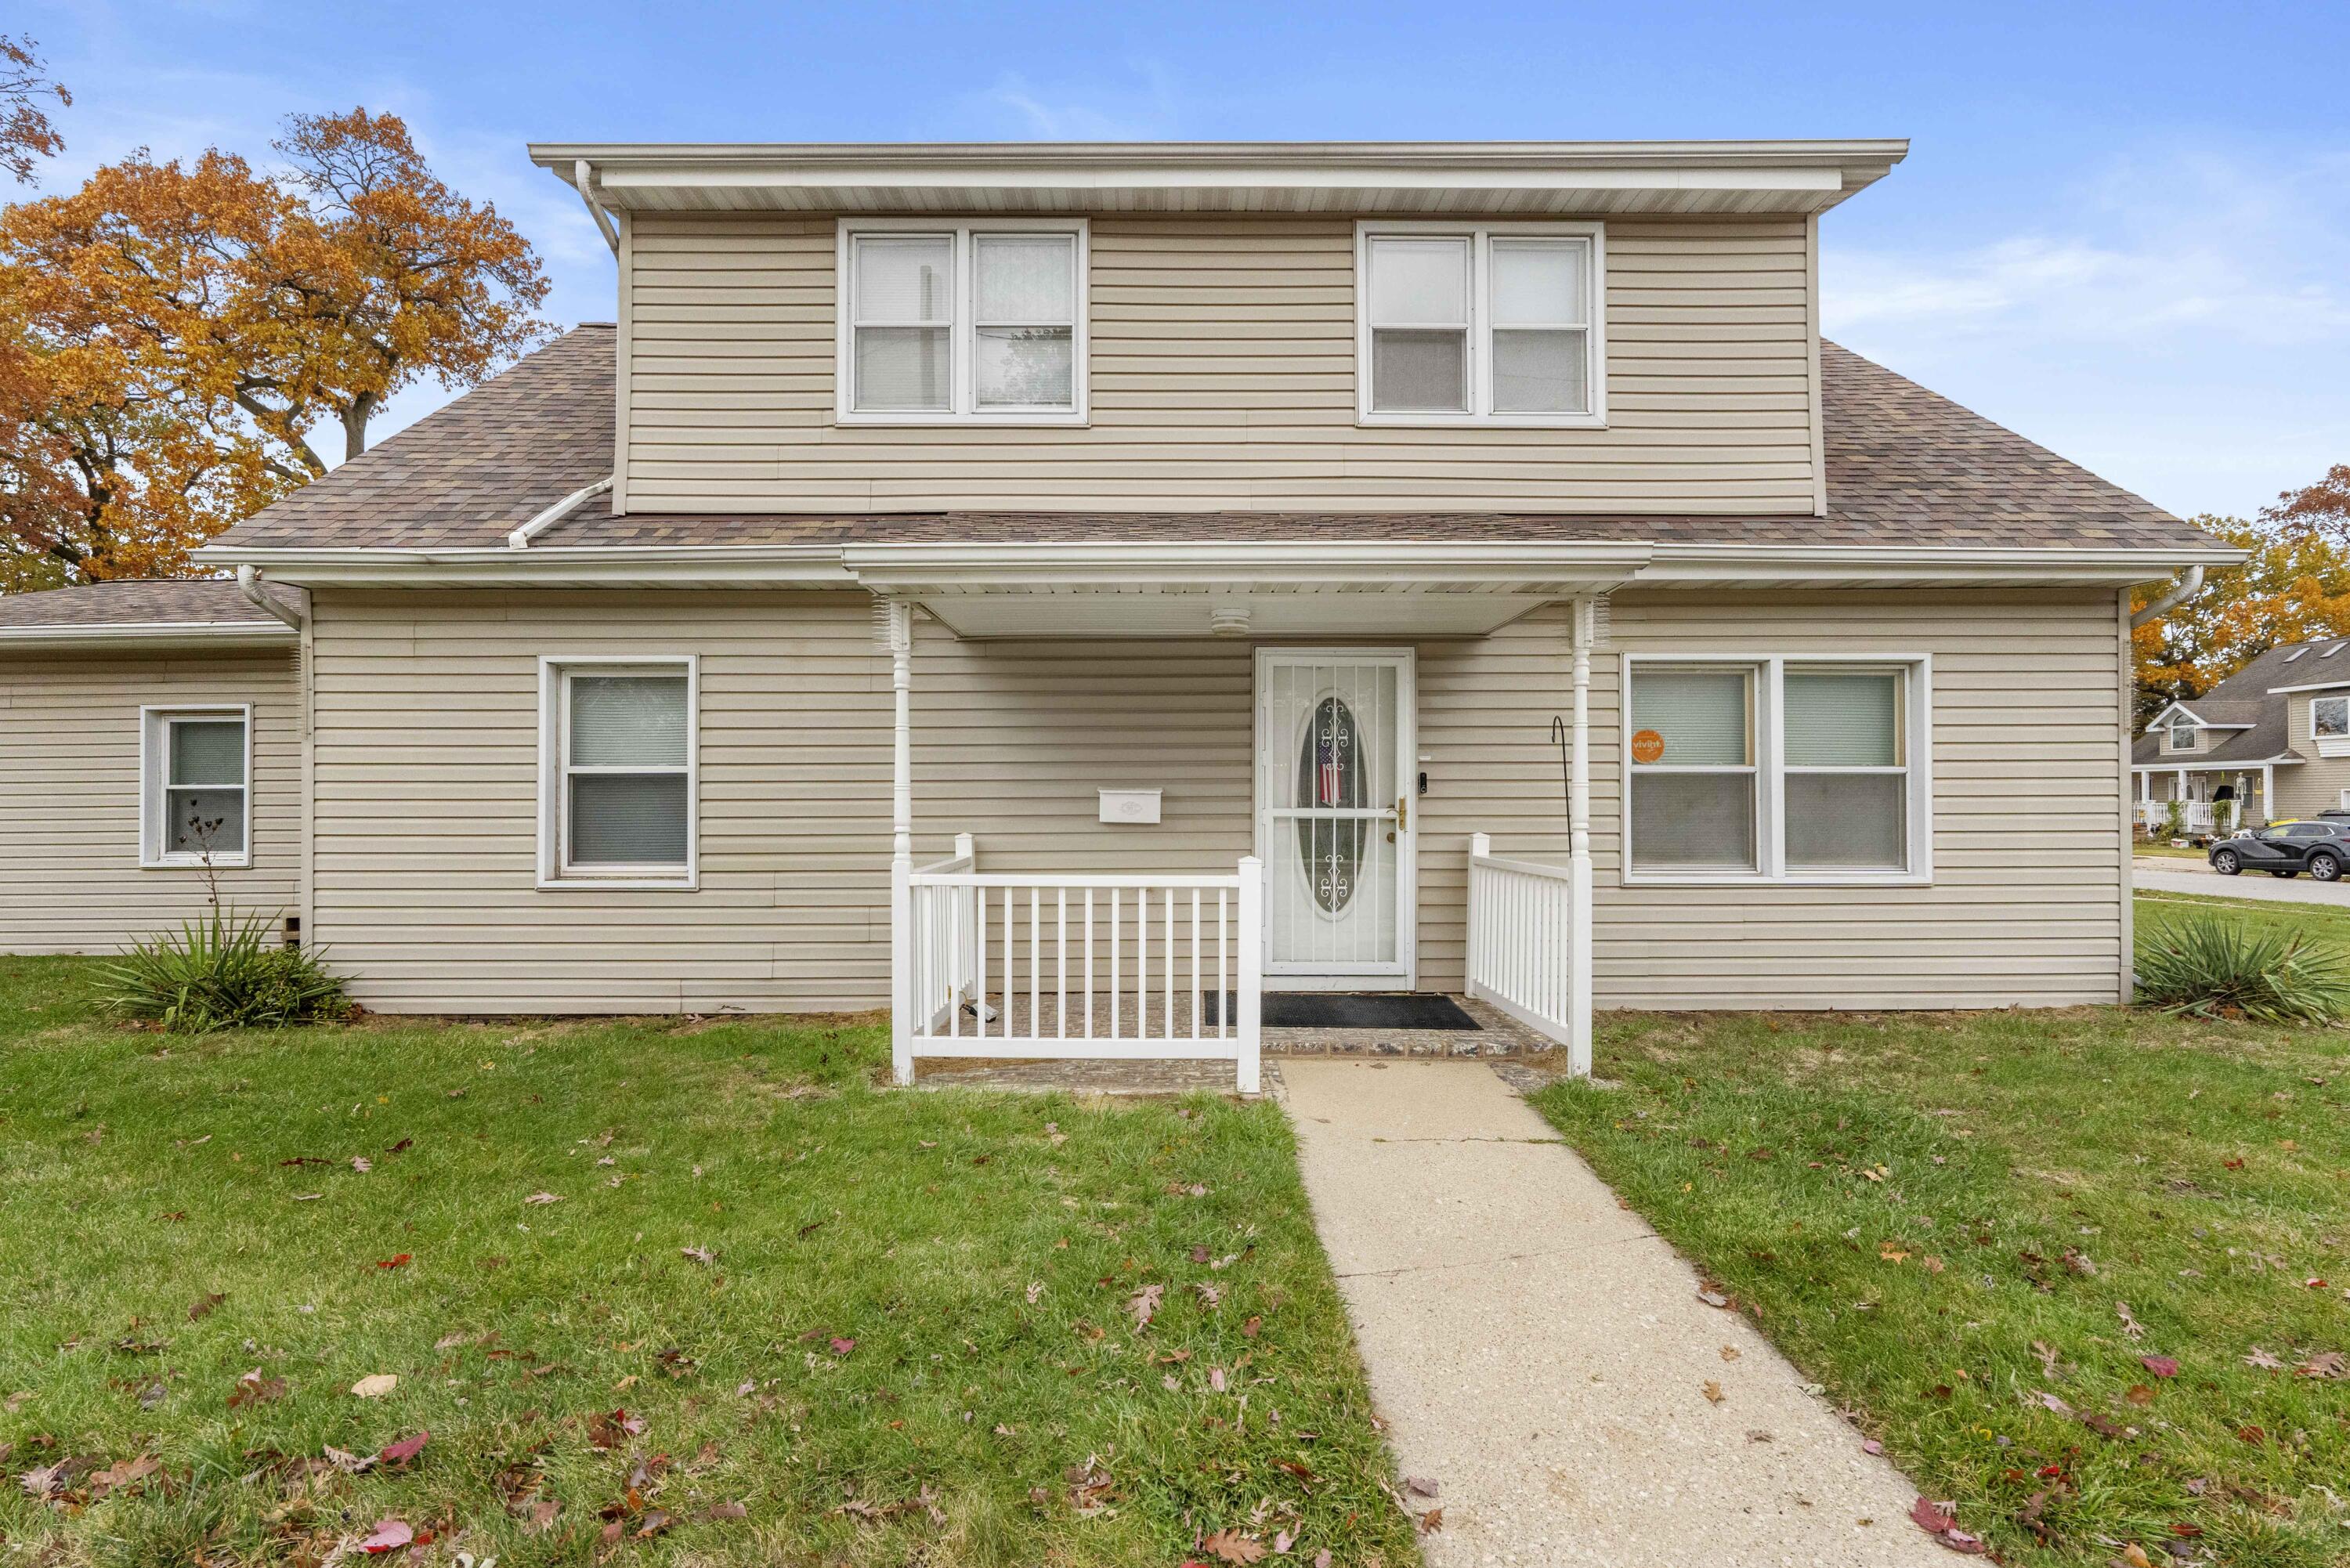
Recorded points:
(1403,813)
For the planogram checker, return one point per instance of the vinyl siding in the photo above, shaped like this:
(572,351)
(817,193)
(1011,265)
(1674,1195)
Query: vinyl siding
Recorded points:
(2026,904)
(70,879)
(1222,370)
(2317,782)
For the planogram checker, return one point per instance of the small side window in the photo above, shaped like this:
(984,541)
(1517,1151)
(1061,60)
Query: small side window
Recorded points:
(2329,717)
(195,766)
(618,771)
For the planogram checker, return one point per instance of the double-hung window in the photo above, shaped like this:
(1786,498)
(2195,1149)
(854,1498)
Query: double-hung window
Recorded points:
(196,767)
(1480,324)
(2182,734)
(963,323)
(1808,769)
(2329,718)
(618,771)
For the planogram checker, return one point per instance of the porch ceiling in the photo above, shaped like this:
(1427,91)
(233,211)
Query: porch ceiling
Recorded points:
(1182,610)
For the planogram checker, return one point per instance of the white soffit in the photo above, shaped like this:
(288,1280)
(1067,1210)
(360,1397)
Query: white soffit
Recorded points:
(1328,178)
(1251,613)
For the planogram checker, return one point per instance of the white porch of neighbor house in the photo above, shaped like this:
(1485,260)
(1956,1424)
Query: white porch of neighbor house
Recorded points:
(1174,964)
(2211,799)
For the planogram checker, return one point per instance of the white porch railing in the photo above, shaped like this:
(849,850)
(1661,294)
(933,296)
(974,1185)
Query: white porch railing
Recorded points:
(1140,965)
(1528,956)
(2197,818)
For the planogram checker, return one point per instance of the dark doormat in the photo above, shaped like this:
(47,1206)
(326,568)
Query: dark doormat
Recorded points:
(1352,1010)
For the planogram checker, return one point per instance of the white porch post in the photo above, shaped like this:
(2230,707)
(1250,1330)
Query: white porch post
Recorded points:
(902,842)
(1578,850)
(1251,936)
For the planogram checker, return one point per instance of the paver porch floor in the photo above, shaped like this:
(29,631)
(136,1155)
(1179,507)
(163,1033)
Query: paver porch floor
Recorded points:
(1543,1356)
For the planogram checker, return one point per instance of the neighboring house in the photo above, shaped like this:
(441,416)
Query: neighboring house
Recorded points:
(144,728)
(1213,534)
(2269,743)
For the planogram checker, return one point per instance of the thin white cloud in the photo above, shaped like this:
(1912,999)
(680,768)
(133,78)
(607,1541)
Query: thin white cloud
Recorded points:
(1143,108)
(2167,327)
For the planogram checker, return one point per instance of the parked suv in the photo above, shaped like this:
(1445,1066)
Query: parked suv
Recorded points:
(2321,848)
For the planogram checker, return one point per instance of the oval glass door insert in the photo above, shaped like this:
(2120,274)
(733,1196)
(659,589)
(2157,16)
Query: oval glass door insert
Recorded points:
(1330,775)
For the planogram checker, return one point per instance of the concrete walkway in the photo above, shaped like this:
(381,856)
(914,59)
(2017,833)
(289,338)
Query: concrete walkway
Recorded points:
(2155,875)
(1543,1358)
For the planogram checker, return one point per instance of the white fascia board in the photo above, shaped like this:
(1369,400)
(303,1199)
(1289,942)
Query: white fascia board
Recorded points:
(2313,686)
(208,633)
(1956,567)
(1042,564)
(606,565)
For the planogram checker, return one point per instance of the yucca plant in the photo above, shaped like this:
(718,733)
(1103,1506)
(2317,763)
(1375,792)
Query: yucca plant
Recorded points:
(2213,967)
(219,973)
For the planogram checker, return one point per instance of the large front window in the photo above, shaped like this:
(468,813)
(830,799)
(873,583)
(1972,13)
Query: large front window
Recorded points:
(1494,323)
(1775,768)
(619,764)
(955,322)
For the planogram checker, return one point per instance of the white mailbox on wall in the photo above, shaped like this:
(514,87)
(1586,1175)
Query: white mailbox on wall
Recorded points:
(1130,805)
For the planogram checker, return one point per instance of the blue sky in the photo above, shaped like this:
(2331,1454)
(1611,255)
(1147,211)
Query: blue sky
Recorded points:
(2123,230)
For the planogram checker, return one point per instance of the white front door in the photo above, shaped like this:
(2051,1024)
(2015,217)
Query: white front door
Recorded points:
(1335,777)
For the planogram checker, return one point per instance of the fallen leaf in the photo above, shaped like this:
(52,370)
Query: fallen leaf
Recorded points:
(2135,1555)
(1144,1304)
(2324,1364)
(1252,1328)
(542,1514)
(252,1389)
(700,1254)
(1730,1353)
(1419,1484)
(407,1449)
(399,1261)
(1234,1547)
(1431,1521)
(375,1386)
(654,1522)
(544,1198)
(123,1474)
(1713,1392)
(2131,1325)
(2139,1394)
(718,1511)
(2160,1365)
(1322,1558)
(362,1164)
(1936,1520)
(842,1347)
(391,1535)
(204,1305)
(2264,1360)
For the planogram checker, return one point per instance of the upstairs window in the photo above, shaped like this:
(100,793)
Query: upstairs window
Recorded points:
(977,323)
(197,807)
(2182,734)
(1492,323)
(2329,718)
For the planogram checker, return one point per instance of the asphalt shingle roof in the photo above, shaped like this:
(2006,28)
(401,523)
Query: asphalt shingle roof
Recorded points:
(122,603)
(2244,698)
(1904,467)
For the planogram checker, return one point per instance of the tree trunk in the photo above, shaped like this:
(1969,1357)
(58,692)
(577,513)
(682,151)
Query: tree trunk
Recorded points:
(355,424)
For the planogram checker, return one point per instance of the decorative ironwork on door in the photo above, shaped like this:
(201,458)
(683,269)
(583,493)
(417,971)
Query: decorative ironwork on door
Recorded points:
(1331,772)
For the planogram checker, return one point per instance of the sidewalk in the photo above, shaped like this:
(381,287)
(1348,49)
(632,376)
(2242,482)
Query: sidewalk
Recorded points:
(2150,873)
(1543,1359)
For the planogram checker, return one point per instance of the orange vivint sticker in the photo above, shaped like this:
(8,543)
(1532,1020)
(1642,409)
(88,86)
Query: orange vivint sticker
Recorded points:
(1647,746)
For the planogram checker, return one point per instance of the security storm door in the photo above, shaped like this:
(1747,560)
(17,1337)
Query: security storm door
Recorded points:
(1335,825)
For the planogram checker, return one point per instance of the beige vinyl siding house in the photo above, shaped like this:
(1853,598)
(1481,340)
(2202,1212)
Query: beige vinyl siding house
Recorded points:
(1015,738)
(86,867)
(1085,590)
(2251,750)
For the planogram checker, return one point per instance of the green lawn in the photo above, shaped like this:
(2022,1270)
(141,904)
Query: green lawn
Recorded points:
(2328,923)
(776,1316)
(1976,1230)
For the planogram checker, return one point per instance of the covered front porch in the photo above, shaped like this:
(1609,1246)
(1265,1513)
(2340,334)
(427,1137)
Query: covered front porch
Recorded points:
(2219,799)
(1298,788)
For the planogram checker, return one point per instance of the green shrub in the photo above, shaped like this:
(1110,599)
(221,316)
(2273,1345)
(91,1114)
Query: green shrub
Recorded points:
(2212,966)
(219,974)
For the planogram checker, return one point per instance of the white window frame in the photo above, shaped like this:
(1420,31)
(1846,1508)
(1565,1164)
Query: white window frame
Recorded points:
(962,336)
(2328,745)
(155,721)
(2170,735)
(1479,370)
(555,871)
(1771,771)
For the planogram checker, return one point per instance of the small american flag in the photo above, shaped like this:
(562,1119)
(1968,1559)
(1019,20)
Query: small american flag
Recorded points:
(1327,775)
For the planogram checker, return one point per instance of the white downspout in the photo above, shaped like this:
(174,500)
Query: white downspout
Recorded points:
(583,177)
(901,841)
(521,537)
(2188,585)
(1578,849)
(248,583)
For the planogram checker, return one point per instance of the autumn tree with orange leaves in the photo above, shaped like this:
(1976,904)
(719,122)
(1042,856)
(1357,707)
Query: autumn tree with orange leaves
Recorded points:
(2293,586)
(172,334)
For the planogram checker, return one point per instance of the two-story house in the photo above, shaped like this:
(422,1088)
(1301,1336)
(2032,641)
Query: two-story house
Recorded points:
(1067,591)
(2270,741)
